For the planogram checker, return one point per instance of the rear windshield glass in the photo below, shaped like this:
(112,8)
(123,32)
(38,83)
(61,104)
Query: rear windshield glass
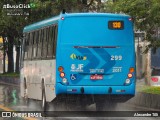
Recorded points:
(156,72)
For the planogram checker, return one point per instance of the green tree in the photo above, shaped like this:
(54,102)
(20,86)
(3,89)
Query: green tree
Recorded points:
(146,18)
(12,26)
(145,14)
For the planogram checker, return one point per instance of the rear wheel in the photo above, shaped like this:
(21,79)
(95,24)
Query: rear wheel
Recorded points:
(26,99)
(44,104)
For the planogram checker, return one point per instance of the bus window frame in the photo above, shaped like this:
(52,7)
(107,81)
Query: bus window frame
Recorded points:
(36,39)
(55,40)
(47,40)
(39,44)
(23,47)
(43,38)
(33,44)
(26,45)
(51,41)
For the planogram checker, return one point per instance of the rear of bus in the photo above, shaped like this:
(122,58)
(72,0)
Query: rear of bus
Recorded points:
(95,55)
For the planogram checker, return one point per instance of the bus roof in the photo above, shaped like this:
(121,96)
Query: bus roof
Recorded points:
(41,24)
(96,14)
(53,20)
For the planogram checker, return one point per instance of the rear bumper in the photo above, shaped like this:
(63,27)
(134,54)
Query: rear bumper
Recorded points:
(62,89)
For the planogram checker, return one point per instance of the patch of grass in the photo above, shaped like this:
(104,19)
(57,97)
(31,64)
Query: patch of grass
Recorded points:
(149,89)
(10,74)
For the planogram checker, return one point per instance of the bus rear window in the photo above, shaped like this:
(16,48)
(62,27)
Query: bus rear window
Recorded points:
(116,25)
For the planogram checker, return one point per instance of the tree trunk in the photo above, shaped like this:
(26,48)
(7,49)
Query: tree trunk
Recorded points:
(10,55)
(4,55)
(99,6)
(17,57)
(148,68)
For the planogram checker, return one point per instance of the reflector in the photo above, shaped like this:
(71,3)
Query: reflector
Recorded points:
(154,79)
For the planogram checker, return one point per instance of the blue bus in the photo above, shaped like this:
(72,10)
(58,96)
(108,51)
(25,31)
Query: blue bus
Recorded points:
(90,56)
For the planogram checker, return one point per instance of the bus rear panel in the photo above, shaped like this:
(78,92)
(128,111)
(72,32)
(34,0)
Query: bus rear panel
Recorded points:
(95,55)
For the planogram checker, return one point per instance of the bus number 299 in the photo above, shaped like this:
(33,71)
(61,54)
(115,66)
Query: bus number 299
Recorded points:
(116,57)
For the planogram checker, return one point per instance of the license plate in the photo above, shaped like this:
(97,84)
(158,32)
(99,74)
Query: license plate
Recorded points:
(96,77)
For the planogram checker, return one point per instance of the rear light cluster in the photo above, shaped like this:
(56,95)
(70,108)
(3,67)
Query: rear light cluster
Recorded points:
(154,79)
(62,74)
(130,75)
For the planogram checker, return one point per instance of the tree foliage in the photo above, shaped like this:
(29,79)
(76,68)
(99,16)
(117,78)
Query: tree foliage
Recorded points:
(11,26)
(146,14)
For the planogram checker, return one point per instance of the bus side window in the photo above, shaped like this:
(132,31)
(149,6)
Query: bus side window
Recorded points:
(37,40)
(26,45)
(50,42)
(45,41)
(55,40)
(40,44)
(30,46)
(34,45)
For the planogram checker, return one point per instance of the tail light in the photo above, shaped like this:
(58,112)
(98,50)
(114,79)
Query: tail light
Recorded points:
(130,75)
(154,79)
(62,74)
(60,69)
(131,70)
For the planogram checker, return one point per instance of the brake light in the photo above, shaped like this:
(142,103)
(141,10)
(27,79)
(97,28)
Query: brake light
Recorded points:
(154,79)
(130,75)
(62,74)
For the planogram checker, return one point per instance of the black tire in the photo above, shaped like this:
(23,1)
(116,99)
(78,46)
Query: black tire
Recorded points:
(43,104)
(26,99)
